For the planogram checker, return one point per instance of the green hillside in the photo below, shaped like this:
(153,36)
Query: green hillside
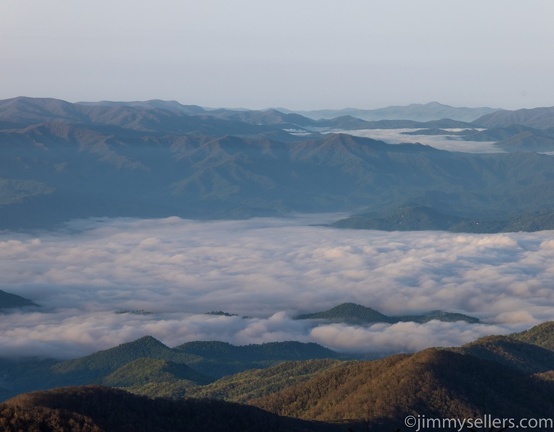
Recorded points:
(348,312)
(504,376)
(94,367)
(434,383)
(508,350)
(256,383)
(146,366)
(147,369)
(358,314)
(218,359)
(156,378)
(541,335)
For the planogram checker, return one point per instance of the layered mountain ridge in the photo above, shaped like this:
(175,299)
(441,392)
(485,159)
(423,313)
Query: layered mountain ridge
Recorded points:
(61,161)
(506,377)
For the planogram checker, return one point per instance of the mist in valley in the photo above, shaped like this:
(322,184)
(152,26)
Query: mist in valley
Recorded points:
(102,282)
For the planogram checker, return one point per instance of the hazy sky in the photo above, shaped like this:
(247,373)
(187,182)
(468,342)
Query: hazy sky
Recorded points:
(270,270)
(300,54)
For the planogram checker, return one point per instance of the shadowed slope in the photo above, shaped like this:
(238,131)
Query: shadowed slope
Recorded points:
(433,382)
(509,351)
(95,409)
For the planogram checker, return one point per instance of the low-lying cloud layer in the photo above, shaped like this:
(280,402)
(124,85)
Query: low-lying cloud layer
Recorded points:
(442,142)
(268,270)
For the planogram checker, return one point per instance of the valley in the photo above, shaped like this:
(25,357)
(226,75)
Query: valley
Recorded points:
(352,281)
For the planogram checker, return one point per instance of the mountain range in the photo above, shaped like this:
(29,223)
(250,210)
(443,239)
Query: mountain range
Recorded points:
(60,161)
(146,363)
(505,377)
(142,364)
(537,118)
(417,112)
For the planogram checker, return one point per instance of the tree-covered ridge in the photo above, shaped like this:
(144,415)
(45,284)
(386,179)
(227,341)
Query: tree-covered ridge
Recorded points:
(541,335)
(355,313)
(102,409)
(498,375)
(147,366)
(349,312)
(64,161)
(527,357)
(146,369)
(96,366)
(420,218)
(257,383)
(433,382)
(218,359)
(292,350)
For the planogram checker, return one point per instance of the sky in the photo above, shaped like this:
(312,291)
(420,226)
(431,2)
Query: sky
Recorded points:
(269,270)
(297,54)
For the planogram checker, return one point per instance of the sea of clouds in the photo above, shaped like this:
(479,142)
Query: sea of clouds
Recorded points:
(448,142)
(267,270)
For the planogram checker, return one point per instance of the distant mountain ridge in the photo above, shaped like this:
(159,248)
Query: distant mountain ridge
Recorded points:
(172,117)
(62,161)
(538,118)
(421,218)
(418,112)
(355,313)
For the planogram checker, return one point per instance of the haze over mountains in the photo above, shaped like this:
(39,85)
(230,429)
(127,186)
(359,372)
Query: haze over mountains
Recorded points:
(418,112)
(127,221)
(155,159)
(91,275)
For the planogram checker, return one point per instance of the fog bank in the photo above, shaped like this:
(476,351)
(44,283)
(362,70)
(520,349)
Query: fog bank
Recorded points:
(268,270)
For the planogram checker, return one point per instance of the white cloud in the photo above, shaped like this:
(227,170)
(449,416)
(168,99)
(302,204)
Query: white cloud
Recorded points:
(401,337)
(270,270)
(441,142)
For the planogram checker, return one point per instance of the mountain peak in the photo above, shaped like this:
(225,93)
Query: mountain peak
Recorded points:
(111,359)
(146,341)
(349,312)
